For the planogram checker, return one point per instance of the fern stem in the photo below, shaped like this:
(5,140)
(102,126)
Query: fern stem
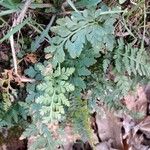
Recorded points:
(59,68)
(51,107)
(86,25)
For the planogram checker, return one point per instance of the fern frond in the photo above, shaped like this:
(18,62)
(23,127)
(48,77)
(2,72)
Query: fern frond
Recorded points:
(73,33)
(15,114)
(123,84)
(131,60)
(41,136)
(6,102)
(53,96)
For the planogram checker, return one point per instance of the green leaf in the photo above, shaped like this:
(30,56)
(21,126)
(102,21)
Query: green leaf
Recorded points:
(106,63)
(30,72)
(89,3)
(123,84)
(79,82)
(15,115)
(9,4)
(83,71)
(7,12)
(72,5)
(121,1)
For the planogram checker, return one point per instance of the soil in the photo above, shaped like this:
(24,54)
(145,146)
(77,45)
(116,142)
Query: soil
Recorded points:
(9,139)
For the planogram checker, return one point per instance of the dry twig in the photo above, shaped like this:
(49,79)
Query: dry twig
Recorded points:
(16,22)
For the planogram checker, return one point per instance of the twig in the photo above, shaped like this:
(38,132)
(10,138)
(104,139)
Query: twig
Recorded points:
(45,5)
(144,29)
(15,22)
(12,44)
(122,34)
(23,12)
(133,2)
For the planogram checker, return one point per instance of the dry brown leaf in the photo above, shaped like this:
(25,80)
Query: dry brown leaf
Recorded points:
(3,56)
(95,139)
(31,140)
(145,125)
(69,137)
(137,101)
(48,56)
(31,58)
(132,140)
(110,129)
(67,146)
(128,125)
(102,146)
(103,128)
(3,147)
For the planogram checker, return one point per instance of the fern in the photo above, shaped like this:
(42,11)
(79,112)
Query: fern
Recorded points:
(11,113)
(73,33)
(54,90)
(131,60)
(80,41)
(6,102)
(82,64)
(123,84)
(42,137)
(16,114)
(85,55)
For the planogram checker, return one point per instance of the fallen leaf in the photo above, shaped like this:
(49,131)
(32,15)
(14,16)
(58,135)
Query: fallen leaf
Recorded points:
(137,101)
(145,125)
(102,146)
(48,56)
(3,56)
(128,125)
(31,58)
(110,129)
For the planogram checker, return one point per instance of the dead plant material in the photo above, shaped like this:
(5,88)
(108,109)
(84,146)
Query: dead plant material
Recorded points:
(31,58)
(137,101)
(109,130)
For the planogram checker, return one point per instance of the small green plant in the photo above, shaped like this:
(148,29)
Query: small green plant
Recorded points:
(84,55)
